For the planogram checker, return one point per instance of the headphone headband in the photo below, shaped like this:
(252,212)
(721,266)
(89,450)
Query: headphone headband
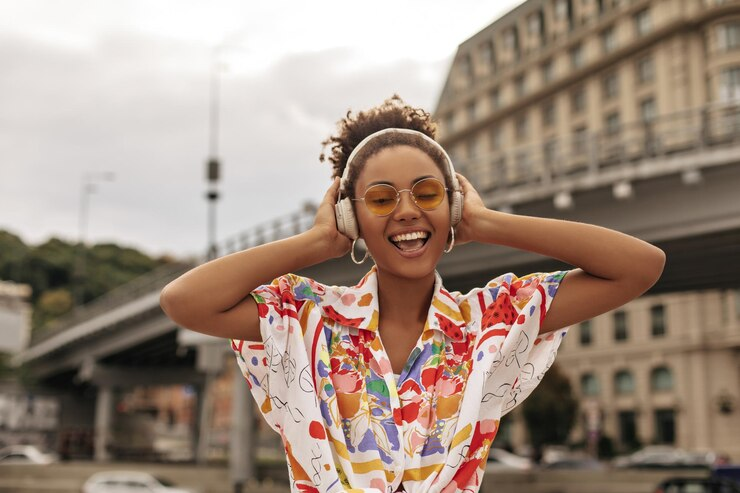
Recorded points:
(407,131)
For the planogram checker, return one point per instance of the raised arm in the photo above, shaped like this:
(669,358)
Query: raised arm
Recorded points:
(213,298)
(612,267)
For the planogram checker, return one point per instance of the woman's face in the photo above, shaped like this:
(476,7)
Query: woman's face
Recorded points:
(415,255)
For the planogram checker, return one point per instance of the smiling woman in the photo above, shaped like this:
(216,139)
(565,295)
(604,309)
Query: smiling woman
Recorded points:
(397,384)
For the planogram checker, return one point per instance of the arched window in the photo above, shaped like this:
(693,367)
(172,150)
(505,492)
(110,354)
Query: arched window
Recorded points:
(624,383)
(589,384)
(661,378)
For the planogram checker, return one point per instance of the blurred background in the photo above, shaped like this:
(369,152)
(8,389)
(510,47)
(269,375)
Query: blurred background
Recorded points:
(142,138)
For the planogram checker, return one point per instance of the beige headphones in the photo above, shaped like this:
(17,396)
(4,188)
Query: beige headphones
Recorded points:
(345,215)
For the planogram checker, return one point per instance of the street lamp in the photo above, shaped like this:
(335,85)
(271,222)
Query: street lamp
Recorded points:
(213,165)
(89,180)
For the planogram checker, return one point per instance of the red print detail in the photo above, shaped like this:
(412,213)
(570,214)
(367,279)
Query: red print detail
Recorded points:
(349,322)
(448,327)
(316,430)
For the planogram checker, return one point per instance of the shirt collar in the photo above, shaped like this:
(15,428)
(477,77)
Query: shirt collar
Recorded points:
(357,306)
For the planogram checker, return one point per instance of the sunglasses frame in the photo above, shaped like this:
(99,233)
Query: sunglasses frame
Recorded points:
(398,195)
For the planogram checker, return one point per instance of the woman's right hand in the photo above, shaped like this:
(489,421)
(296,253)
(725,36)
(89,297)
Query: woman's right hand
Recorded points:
(325,223)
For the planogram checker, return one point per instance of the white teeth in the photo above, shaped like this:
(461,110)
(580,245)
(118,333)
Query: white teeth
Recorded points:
(416,235)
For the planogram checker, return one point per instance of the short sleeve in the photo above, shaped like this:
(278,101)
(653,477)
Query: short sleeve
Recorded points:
(274,367)
(510,328)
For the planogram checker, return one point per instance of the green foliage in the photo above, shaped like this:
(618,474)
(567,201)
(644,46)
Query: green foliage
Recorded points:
(51,269)
(550,411)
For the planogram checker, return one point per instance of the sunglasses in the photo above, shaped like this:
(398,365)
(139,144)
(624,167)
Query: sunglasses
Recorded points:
(382,199)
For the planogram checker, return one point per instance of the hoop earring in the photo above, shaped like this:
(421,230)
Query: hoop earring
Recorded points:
(352,253)
(452,241)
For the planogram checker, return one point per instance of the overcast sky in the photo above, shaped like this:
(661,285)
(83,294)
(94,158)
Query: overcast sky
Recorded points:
(123,86)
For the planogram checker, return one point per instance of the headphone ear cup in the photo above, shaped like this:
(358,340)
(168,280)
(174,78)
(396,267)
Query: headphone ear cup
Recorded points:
(456,208)
(346,222)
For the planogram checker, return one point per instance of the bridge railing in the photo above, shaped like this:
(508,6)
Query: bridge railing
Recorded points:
(592,152)
(533,165)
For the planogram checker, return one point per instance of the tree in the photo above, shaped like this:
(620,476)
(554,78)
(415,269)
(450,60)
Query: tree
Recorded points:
(550,411)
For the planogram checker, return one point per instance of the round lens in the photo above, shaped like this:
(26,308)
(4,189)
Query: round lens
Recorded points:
(428,193)
(381,199)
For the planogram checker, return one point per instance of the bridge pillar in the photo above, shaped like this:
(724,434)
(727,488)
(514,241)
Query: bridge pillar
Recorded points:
(209,360)
(103,422)
(243,436)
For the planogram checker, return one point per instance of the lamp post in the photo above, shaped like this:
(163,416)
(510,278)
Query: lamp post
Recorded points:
(89,180)
(213,165)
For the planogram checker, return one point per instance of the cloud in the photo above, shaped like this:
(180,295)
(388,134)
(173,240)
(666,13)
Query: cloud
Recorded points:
(137,105)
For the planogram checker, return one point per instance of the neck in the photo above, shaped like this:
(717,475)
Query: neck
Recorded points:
(404,300)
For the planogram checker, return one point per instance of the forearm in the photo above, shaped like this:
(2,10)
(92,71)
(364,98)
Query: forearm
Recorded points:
(600,252)
(220,284)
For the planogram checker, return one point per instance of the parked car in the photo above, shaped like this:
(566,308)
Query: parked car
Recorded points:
(698,485)
(571,463)
(130,482)
(26,454)
(501,460)
(662,456)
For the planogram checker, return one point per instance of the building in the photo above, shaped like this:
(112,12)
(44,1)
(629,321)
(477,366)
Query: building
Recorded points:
(15,316)
(562,88)
(557,86)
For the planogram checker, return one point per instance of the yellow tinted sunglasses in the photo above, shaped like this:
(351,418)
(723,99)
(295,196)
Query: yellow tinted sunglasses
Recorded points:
(382,199)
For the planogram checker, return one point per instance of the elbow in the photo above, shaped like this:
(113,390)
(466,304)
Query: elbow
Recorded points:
(168,303)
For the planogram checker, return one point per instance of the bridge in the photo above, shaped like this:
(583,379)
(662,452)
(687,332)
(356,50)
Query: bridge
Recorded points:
(674,182)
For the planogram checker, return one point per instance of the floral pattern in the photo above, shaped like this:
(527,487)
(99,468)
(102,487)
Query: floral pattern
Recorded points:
(323,381)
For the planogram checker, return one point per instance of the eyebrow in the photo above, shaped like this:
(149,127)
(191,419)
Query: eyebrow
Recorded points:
(414,182)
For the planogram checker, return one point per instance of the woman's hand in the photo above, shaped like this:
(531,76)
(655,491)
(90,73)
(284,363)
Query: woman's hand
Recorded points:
(473,206)
(325,224)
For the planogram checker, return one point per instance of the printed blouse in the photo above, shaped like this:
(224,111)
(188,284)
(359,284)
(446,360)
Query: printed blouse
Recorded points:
(323,381)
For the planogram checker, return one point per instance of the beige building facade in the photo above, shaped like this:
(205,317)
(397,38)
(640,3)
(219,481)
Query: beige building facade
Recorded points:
(555,88)
(556,84)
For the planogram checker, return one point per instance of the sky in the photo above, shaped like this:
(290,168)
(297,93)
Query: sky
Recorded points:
(94,89)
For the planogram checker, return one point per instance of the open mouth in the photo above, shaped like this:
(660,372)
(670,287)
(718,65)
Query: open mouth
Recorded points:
(410,242)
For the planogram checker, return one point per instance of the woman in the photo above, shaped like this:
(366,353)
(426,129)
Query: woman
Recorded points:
(397,384)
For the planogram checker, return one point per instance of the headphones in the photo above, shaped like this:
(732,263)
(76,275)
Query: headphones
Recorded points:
(345,214)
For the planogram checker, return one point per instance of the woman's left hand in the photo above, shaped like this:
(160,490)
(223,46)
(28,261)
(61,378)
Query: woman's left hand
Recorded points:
(473,206)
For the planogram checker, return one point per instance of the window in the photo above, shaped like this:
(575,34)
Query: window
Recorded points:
(548,114)
(450,121)
(549,152)
(645,70)
(511,42)
(628,429)
(665,426)
(610,85)
(495,98)
(579,140)
(620,326)
(562,9)
(589,384)
(472,148)
(585,334)
(534,24)
(495,138)
(576,56)
(547,72)
(471,110)
(466,69)
(661,379)
(624,383)
(728,36)
(647,110)
(578,100)
(523,164)
(488,56)
(608,40)
(611,123)
(521,127)
(657,320)
(521,85)
(729,88)
(642,22)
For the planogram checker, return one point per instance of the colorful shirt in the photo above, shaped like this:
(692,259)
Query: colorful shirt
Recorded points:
(323,380)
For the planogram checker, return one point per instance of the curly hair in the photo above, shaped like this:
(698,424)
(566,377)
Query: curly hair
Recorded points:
(393,113)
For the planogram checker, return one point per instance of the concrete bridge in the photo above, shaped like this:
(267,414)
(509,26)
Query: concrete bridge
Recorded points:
(675,183)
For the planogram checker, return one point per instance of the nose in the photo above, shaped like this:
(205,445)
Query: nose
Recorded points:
(406,207)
